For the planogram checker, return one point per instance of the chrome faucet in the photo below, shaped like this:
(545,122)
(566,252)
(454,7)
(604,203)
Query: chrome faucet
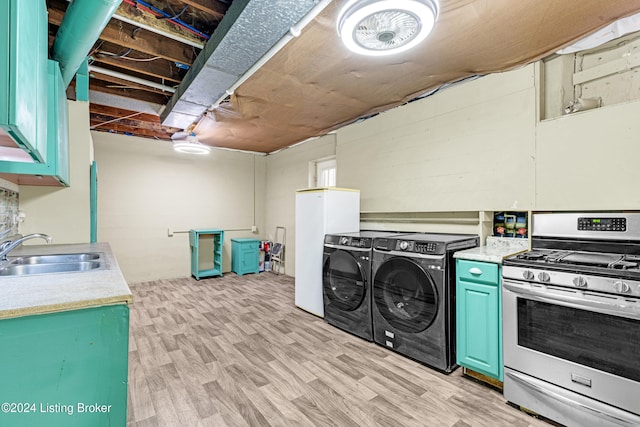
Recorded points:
(9,245)
(6,231)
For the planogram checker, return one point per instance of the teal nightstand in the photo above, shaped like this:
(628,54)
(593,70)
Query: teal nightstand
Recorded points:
(245,255)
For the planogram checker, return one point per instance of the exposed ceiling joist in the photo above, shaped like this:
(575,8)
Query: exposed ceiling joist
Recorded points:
(159,69)
(112,77)
(314,85)
(137,94)
(122,34)
(212,7)
(114,112)
(132,16)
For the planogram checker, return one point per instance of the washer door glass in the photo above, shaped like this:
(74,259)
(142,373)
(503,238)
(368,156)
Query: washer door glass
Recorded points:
(405,295)
(343,280)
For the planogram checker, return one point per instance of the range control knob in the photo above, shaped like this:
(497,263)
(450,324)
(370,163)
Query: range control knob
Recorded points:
(344,240)
(622,287)
(579,282)
(404,245)
(544,277)
(528,275)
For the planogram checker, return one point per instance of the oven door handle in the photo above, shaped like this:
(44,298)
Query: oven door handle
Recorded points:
(612,306)
(570,402)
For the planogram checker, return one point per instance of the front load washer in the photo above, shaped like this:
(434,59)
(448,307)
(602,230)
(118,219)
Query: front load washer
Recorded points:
(346,281)
(414,295)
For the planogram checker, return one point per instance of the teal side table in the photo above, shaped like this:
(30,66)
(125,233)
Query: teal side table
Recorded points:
(245,256)
(206,252)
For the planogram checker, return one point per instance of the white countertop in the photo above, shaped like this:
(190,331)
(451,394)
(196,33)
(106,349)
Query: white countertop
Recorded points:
(45,293)
(495,250)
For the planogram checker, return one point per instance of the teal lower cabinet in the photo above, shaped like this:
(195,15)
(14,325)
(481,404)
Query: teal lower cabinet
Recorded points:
(479,317)
(245,256)
(65,369)
(206,252)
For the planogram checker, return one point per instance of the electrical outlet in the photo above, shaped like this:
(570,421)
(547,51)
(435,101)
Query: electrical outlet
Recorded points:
(254,229)
(170,232)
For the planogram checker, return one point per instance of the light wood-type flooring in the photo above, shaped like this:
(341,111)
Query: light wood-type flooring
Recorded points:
(235,351)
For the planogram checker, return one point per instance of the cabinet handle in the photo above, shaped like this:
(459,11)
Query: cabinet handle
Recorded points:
(475,271)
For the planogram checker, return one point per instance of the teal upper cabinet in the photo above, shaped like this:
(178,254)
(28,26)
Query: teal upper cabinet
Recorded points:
(23,76)
(55,170)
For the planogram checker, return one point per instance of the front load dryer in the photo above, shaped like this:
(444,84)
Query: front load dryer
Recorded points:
(414,295)
(346,281)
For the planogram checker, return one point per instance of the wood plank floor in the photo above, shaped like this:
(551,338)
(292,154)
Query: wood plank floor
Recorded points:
(235,351)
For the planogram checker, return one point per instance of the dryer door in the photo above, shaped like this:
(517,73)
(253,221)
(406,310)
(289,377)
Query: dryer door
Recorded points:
(343,280)
(405,295)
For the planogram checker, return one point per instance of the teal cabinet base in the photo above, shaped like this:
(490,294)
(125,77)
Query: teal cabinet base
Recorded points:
(245,256)
(479,317)
(65,369)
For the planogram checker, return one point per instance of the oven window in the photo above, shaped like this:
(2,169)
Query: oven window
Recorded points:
(600,341)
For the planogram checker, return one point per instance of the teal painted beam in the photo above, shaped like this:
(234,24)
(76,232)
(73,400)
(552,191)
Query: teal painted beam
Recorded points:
(82,81)
(94,201)
(81,26)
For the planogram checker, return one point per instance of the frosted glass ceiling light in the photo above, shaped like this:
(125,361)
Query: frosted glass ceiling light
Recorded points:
(188,144)
(385,27)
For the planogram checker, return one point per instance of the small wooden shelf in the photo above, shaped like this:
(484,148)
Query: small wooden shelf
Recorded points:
(206,252)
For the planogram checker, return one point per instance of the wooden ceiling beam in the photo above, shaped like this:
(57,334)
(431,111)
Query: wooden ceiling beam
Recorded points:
(121,33)
(99,120)
(115,112)
(141,95)
(163,72)
(127,83)
(145,133)
(132,15)
(212,7)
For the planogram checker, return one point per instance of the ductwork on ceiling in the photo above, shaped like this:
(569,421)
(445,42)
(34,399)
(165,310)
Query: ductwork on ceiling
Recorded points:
(248,31)
(81,26)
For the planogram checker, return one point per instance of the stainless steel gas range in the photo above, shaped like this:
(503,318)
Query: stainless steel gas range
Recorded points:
(571,320)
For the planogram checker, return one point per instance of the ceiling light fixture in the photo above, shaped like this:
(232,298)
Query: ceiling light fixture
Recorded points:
(385,27)
(188,143)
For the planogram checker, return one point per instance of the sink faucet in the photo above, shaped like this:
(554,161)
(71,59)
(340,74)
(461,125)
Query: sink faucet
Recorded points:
(9,245)
(5,232)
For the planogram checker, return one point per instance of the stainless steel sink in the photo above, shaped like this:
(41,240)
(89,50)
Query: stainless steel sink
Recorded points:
(55,259)
(49,268)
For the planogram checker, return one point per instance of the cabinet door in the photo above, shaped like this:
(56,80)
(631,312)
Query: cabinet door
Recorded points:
(55,170)
(250,257)
(66,358)
(23,79)
(478,331)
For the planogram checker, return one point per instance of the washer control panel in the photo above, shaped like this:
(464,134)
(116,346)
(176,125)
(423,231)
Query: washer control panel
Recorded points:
(350,241)
(416,247)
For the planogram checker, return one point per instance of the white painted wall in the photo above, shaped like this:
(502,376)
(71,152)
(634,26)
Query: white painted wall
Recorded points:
(64,212)
(467,148)
(144,188)
(589,160)
(432,165)
(440,163)
(286,172)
